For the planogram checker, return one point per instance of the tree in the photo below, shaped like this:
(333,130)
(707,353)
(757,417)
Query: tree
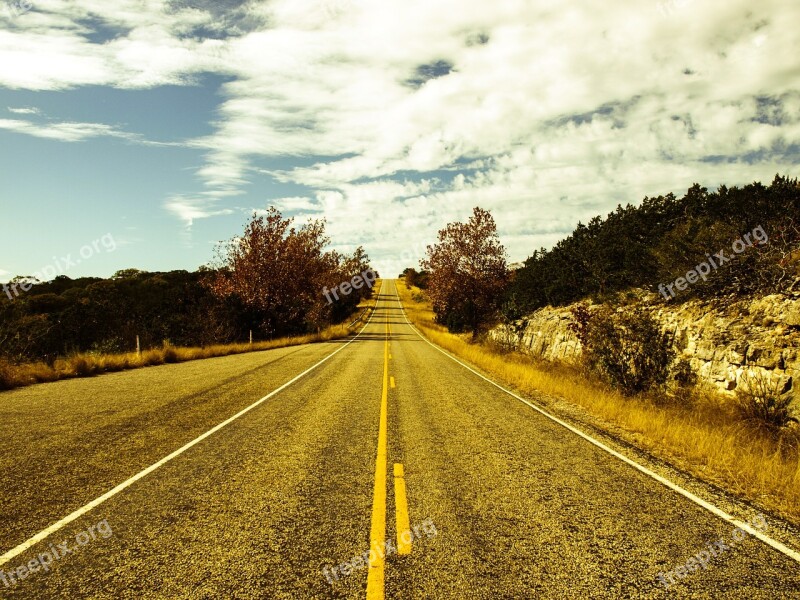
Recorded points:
(662,238)
(278,272)
(128,273)
(415,278)
(468,273)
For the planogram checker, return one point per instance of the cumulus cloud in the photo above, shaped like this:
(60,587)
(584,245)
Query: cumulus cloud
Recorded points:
(407,113)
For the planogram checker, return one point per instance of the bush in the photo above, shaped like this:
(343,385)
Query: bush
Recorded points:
(7,379)
(112,345)
(682,383)
(169,352)
(82,366)
(762,399)
(625,348)
(683,375)
(454,320)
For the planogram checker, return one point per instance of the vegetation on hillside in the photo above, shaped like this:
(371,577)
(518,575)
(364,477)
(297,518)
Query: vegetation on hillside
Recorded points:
(269,281)
(415,278)
(661,240)
(747,239)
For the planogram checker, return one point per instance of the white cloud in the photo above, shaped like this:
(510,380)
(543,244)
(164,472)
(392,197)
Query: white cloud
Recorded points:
(75,132)
(543,113)
(24,111)
(50,48)
(293,204)
(66,132)
(189,209)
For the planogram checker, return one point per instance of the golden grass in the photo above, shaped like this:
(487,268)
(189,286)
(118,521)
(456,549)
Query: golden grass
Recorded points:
(87,364)
(703,436)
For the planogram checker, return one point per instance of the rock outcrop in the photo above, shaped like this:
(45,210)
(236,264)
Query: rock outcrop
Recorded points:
(721,341)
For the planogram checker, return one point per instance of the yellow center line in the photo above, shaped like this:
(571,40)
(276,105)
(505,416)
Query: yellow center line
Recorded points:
(375,577)
(391,379)
(404,536)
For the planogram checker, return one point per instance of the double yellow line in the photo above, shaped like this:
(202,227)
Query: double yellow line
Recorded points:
(377,564)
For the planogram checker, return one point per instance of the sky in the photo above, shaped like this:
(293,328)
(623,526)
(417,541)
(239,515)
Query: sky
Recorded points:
(139,133)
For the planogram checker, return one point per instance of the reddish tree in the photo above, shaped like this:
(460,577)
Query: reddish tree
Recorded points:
(278,273)
(468,273)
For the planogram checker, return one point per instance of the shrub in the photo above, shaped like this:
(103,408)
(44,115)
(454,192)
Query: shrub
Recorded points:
(682,383)
(763,399)
(81,366)
(580,323)
(626,348)
(7,379)
(170,354)
(683,375)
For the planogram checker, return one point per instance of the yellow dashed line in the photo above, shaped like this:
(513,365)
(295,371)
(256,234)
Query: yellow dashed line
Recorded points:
(404,535)
(375,577)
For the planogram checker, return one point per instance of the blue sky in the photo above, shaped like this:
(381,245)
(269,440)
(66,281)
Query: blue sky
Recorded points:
(165,124)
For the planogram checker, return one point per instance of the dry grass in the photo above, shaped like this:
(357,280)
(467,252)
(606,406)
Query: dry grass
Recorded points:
(88,364)
(704,435)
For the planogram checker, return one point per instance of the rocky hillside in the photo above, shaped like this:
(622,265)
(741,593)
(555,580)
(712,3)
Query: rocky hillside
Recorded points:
(720,340)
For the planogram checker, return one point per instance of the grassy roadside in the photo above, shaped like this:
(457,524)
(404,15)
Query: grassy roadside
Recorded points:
(703,436)
(87,364)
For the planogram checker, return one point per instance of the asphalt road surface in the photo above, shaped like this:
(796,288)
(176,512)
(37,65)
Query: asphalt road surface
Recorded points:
(388,470)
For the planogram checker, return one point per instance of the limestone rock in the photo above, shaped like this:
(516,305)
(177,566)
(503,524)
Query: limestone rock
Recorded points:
(720,341)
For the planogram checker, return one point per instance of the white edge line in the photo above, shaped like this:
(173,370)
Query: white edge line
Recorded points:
(793,554)
(113,492)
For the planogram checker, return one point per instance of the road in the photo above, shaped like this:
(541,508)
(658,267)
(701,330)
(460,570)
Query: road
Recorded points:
(174,489)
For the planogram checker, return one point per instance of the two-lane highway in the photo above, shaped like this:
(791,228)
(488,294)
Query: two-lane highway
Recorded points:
(383,469)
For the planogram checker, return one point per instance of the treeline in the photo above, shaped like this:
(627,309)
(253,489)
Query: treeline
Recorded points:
(416,278)
(664,238)
(268,280)
(91,314)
